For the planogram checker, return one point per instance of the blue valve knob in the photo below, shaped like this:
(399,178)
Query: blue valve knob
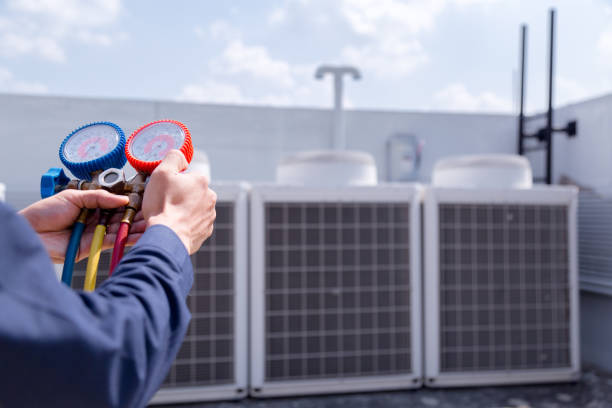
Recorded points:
(54,177)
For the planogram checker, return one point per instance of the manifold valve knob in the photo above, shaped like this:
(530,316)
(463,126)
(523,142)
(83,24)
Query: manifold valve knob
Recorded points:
(53,178)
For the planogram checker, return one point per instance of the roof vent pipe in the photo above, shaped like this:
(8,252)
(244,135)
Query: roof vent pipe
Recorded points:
(339,141)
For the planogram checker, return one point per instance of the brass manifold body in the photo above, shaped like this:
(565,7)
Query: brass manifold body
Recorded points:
(113,180)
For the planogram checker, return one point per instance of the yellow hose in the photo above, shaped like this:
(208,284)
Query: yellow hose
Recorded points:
(94,258)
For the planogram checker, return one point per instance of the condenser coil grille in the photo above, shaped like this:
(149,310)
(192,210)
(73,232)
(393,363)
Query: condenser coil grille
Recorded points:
(337,290)
(207,354)
(206,357)
(504,289)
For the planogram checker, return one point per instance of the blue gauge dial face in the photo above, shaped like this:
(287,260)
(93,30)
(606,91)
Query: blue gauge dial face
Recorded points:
(155,141)
(90,143)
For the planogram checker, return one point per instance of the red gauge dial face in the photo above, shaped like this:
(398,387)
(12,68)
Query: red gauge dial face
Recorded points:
(150,144)
(91,143)
(155,141)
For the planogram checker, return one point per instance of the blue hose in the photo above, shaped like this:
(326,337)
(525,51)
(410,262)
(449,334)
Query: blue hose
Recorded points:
(71,252)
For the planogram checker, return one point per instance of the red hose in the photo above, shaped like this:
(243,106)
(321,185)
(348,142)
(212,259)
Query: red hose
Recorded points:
(120,242)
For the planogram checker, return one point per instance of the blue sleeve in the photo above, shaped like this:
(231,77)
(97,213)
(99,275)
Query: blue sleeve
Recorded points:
(109,348)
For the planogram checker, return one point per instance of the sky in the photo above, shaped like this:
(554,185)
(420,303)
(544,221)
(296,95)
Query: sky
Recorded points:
(451,55)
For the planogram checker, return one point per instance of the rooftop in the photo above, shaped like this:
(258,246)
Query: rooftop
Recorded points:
(594,390)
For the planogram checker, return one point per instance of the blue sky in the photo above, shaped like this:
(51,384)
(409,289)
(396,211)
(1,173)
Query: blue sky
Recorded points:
(414,54)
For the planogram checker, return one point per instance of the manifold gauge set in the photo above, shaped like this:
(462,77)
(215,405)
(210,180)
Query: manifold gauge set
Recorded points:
(95,155)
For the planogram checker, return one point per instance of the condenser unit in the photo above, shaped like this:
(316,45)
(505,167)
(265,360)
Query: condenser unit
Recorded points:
(335,283)
(212,361)
(501,290)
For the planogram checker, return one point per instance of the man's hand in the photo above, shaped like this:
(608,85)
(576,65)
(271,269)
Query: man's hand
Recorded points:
(180,201)
(53,217)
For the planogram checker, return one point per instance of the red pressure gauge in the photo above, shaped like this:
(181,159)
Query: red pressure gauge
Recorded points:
(147,146)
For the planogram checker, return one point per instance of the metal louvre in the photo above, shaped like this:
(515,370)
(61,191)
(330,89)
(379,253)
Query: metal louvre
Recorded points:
(211,363)
(335,292)
(595,241)
(500,287)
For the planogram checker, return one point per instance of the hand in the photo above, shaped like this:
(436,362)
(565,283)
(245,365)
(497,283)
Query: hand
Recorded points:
(180,201)
(53,217)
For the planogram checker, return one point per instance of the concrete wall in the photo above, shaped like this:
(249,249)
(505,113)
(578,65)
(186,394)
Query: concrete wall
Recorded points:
(243,143)
(588,157)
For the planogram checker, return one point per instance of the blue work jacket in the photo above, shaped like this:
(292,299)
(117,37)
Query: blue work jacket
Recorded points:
(109,348)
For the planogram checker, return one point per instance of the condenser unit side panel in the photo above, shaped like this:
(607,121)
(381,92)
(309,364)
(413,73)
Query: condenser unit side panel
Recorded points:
(416,288)
(241,300)
(257,306)
(574,285)
(431,293)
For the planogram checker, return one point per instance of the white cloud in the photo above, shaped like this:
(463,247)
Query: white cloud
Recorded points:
(43,27)
(248,74)
(239,58)
(8,83)
(389,29)
(99,39)
(456,97)
(370,17)
(388,58)
(219,30)
(277,16)
(467,3)
(14,44)
(91,13)
(385,41)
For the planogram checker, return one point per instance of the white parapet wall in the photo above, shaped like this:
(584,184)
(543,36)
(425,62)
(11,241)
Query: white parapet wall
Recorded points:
(585,160)
(242,142)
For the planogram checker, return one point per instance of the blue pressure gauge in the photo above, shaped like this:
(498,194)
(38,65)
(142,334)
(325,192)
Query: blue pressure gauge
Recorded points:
(94,147)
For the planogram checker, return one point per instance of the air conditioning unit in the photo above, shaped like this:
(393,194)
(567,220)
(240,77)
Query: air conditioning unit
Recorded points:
(501,287)
(212,362)
(335,281)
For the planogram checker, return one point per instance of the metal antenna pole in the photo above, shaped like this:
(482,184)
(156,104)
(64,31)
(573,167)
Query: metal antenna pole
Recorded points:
(521,118)
(339,136)
(549,114)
